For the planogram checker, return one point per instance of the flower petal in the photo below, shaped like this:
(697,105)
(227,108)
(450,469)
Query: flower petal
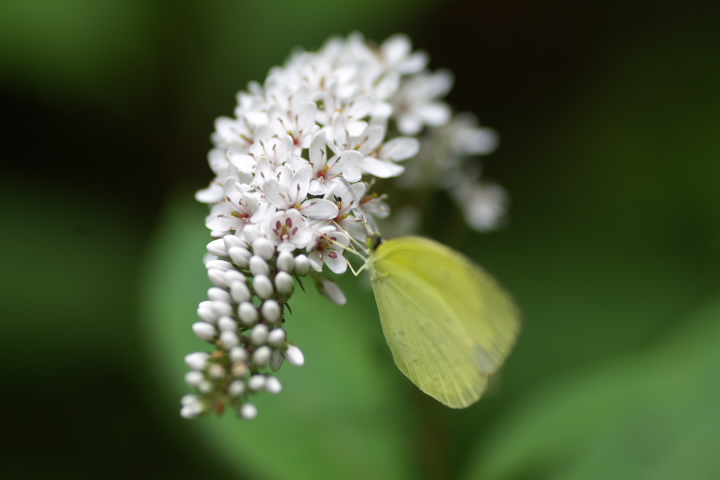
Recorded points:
(344,160)
(356,129)
(409,125)
(318,188)
(379,168)
(299,184)
(374,136)
(387,86)
(435,114)
(318,150)
(413,64)
(319,209)
(396,48)
(276,194)
(244,163)
(306,117)
(400,148)
(331,291)
(360,107)
(353,174)
(213,193)
(335,261)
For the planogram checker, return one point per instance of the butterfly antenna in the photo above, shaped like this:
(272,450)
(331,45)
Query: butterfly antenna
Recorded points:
(350,249)
(354,240)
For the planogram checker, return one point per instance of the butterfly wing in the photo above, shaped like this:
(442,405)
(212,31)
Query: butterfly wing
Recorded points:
(448,324)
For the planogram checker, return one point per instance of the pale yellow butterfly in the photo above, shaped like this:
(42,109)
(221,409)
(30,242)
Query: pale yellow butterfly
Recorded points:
(448,324)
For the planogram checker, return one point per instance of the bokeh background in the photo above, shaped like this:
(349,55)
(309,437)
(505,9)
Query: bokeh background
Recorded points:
(609,118)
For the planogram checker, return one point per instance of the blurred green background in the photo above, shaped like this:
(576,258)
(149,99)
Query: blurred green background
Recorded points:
(608,113)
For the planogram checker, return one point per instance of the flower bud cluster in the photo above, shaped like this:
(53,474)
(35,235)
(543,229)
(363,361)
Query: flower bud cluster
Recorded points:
(243,319)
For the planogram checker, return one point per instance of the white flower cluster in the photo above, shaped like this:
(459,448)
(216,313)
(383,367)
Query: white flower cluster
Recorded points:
(293,170)
(443,163)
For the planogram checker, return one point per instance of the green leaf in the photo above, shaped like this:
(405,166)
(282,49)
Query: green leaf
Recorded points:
(647,415)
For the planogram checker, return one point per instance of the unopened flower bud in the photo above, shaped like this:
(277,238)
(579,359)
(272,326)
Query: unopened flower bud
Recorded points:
(227,324)
(234,276)
(256,382)
(233,241)
(331,291)
(284,284)
(263,286)
(204,330)
(229,340)
(219,264)
(259,334)
(302,265)
(248,314)
(218,295)
(248,411)
(238,354)
(273,385)
(222,308)
(239,292)
(216,371)
(285,261)
(207,314)
(239,370)
(258,265)
(240,256)
(194,378)
(294,355)
(264,248)
(197,360)
(192,409)
(261,356)
(236,388)
(271,311)
(217,277)
(277,337)
(217,247)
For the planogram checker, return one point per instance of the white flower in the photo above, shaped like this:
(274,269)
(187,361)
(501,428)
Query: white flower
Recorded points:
(396,54)
(290,191)
(220,163)
(233,134)
(349,198)
(378,158)
(381,162)
(326,171)
(349,117)
(241,207)
(289,228)
(376,205)
(417,104)
(329,248)
(331,291)
(468,138)
(483,204)
(298,123)
(270,147)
